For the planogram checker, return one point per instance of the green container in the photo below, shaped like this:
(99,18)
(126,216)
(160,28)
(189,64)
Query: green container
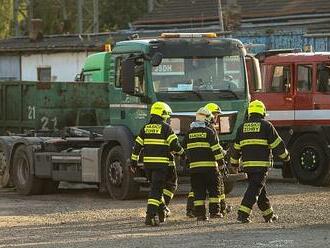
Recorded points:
(48,106)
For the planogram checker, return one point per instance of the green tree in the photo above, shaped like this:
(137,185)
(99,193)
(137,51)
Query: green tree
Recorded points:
(6,10)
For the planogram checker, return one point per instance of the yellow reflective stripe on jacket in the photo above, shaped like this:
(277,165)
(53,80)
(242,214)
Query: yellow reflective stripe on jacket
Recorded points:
(253,142)
(139,140)
(171,138)
(156,160)
(214,200)
(222,197)
(237,146)
(191,194)
(155,142)
(168,193)
(244,209)
(153,202)
(203,164)
(219,156)
(134,157)
(267,211)
(199,203)
(275,143)
(284,154)
(198,145)
(234,161)
(256,163)
(215,147)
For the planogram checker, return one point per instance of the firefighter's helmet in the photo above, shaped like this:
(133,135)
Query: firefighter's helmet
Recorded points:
(257,107)
(161,109)
(204,115)
(213,108)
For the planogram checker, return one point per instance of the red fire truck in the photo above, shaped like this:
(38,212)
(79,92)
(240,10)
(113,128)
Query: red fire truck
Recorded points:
(296,92)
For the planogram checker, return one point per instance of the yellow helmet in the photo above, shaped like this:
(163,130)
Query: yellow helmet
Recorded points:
(161,109)
(213,108)
(203,114)
(257,107)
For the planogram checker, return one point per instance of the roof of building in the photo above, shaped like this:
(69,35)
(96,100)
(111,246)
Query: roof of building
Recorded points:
(190,11)
(55,43)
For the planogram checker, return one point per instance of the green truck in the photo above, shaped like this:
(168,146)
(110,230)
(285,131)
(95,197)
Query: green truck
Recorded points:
(84,131)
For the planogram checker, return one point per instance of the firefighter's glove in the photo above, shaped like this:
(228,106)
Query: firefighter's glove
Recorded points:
(133,166)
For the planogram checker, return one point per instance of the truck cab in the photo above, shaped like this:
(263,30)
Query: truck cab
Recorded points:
(296,93)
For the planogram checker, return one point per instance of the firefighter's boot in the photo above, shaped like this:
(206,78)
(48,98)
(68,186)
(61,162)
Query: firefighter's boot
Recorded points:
(151,220)
(271,218)
(216,216)
(242,218)
(202,218)
(225,208)
(162,213)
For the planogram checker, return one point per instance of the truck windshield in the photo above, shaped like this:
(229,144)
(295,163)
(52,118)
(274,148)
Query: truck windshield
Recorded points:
(200,78)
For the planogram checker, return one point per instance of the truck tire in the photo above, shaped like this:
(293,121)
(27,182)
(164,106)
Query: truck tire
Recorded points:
(309,160)
(26,183)
(5,181)
(228,187)
(118,179)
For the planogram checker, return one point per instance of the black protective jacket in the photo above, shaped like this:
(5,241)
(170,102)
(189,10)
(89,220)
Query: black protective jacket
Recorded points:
(158,142)
(256,143)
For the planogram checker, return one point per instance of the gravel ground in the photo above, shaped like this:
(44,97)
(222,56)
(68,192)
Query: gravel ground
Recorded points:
(86,218)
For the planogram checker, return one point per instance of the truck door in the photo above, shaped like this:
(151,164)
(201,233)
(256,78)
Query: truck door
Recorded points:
(303,100)
(277,92)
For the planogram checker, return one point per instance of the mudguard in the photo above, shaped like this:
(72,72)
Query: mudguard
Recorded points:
(122,135)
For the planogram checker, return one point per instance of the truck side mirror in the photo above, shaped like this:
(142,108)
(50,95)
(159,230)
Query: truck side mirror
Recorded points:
(257,74)
(127,76)
(156,59)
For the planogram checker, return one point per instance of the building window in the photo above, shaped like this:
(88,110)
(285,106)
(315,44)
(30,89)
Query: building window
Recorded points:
(44,74)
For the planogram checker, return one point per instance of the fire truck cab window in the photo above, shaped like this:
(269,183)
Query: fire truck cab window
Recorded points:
(281,79)
(323,76)
(304,78)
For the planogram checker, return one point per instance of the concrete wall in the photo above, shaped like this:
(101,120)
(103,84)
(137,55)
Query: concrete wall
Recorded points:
(64,66)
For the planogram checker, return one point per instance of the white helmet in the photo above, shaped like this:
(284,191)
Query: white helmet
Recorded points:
(204,115)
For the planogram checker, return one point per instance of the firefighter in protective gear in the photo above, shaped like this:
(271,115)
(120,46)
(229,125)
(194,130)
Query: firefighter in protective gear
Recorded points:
(157,140)
(205,159)
(255,144)
(224,208)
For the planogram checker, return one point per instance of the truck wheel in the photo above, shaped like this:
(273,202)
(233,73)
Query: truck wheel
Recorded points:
(26,183)
(309,160)
(118,179)
(228,187)
(5,181)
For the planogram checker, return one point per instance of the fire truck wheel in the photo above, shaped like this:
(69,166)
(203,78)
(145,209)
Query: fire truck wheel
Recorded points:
(5,180)
(26,183)
(118,179)
(309,160)
(228,187)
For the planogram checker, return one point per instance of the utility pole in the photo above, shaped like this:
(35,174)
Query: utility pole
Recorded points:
(220,16)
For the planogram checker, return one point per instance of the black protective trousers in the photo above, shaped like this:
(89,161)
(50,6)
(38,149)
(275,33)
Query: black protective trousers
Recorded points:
(157,177)
(171,184)
(203,184)
(256,192)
